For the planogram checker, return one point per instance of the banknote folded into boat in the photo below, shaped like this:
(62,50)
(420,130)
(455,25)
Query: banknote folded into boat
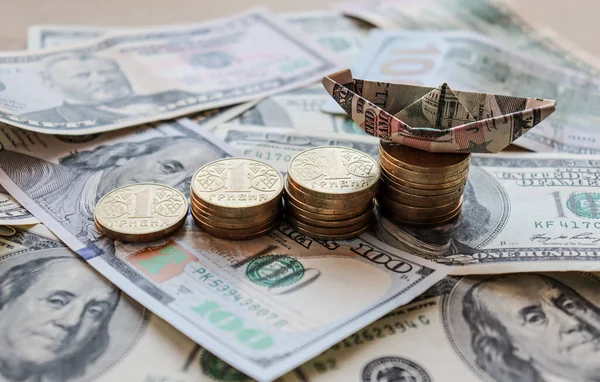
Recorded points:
(436,119)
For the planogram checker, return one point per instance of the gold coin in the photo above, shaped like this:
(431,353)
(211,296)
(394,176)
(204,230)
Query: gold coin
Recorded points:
(235,234)
(326,230)
(234,184)
(295,206)
(329,197)
(333,172)
(140,212)
(423,186)
(407,212)
(252,226)
(241,213)
(417,200)
(327,203)
(449,171)
(243,221)
(399,216)
(233,231)
(420,203)
(422,161)
(335,213)
(330,223)
(425,221)
(330,237)
(422,177)
(406,187)
(219,222)
(384,160)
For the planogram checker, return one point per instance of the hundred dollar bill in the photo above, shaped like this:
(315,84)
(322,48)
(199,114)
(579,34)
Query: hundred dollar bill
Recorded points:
(342,36)
(503,328)
(127,78)
(471,62)
(521,213)
(12,212)
(276,146)
(250,303)
(62,321)
(494,18)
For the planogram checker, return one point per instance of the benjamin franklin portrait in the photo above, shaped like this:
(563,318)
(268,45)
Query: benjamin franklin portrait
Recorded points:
(70,189)
(528,327)
(60,320)
(95,88)
(395,374)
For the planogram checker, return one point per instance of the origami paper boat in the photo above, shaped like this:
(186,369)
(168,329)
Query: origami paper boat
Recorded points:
(436,119)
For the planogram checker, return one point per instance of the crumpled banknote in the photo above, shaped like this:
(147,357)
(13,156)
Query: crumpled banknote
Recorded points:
(436,119)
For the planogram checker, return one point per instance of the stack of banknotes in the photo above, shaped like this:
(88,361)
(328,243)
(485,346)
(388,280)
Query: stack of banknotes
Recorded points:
(506,291)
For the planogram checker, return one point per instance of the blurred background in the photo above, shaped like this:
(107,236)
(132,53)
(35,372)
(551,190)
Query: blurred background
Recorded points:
(574,20)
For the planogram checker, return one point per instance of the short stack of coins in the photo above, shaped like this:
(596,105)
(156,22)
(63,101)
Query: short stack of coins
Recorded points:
(329,192)
(237,198)
(420,187)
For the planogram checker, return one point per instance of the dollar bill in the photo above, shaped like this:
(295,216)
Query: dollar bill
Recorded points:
(276,145)
(12,212)
(342,36)
(209,119)
(521,213)
(298,109)
(60,36)
(250,303)
(127,78)
(54,36)
(62,321)
(493,18)
(503,328)
(473,63)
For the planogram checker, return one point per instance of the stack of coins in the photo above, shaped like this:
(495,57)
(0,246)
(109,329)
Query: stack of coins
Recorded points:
(140,212)
(329,192)
(237,198)
(420,187)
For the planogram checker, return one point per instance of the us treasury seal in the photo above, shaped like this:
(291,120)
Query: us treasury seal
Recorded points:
(394,369)
(274,271)
(77,139)
(218,370)
(585,204)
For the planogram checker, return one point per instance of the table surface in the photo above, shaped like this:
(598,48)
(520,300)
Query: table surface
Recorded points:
(574,20)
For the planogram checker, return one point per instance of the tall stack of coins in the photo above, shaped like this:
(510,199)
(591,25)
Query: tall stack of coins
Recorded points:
(237,198)
(329,192)
(420,187)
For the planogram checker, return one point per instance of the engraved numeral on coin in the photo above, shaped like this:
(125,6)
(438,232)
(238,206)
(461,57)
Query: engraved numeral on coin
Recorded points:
(236,178)
(142,204)
(335,170)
